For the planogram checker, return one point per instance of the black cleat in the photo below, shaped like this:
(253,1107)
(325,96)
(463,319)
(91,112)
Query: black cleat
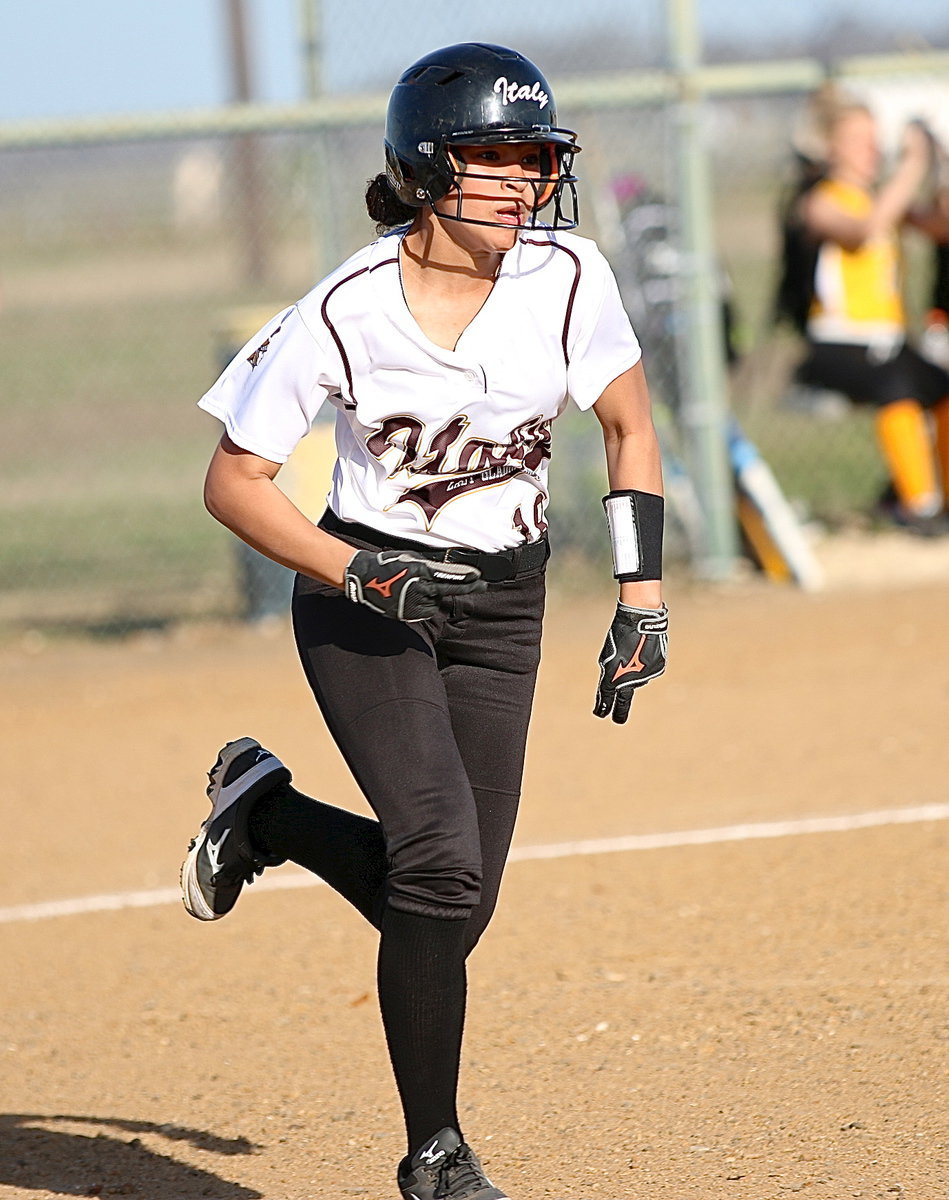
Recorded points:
(446,1168)
(221,859)
(925,525)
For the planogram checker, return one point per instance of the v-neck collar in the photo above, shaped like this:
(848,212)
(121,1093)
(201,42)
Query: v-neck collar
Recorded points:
(389,284)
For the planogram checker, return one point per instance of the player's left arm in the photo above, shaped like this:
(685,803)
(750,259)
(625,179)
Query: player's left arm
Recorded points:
(635,648)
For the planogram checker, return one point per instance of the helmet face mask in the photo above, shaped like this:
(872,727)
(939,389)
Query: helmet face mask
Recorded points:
(555,182)
(475,94)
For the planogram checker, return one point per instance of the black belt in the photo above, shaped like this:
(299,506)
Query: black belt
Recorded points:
(494,567)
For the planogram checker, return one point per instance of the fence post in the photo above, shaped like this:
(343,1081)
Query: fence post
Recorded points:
(704,411)
(247,166)
(320,196)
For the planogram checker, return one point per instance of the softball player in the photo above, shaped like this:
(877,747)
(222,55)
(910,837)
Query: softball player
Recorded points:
(447,347)
(856,324)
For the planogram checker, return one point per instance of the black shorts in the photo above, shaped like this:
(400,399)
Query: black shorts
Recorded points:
(855,371)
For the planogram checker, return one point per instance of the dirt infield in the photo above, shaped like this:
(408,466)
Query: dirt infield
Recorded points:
(752,1017)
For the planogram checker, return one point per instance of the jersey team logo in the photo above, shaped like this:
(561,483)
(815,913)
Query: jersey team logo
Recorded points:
(262,349)
(441,466)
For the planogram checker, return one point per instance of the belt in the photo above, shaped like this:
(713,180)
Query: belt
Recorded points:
(494,567)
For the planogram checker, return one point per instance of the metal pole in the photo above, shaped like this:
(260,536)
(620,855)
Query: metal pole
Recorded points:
(318,173)
(247,162)
(704,410)
(311,35)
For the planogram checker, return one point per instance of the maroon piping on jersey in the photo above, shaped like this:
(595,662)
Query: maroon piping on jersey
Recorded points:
(573,291)
(332,328)
(388,262)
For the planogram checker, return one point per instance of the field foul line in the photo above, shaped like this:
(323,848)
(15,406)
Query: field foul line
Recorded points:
(615,845)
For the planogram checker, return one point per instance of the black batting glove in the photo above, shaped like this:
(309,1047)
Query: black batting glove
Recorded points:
(634,652)
(404,586)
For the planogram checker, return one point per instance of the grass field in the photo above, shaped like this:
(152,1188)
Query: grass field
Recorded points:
(103,454)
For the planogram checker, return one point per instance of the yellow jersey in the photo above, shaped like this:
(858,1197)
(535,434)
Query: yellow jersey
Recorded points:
(857,293)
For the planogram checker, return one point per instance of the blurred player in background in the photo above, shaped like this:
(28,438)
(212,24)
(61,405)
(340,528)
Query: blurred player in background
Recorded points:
(934,221)
(447,347)
(843,288)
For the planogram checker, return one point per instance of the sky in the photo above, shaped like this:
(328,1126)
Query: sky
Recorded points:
(67,58)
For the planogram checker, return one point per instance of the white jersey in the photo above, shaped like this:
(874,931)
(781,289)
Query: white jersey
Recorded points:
(444,447)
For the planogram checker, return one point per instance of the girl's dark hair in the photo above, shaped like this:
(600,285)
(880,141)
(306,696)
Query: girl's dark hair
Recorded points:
(384,206)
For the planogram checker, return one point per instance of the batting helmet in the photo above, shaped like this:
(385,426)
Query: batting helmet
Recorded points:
(475,94)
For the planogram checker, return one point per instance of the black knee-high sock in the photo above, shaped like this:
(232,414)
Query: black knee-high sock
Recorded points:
(422,989)
(344,849)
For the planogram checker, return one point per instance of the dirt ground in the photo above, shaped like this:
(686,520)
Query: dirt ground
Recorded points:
(739,1016)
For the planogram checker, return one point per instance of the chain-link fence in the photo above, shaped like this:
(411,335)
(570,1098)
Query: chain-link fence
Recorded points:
(136,256)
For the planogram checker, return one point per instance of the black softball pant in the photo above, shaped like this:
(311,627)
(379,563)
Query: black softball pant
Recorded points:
(432,720)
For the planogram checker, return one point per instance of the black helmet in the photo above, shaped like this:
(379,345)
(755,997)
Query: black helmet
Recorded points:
(475,94)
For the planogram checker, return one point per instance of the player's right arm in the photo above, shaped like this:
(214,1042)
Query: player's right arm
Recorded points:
(240,492)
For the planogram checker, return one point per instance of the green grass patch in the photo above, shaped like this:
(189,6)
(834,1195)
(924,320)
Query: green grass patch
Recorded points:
(103,459)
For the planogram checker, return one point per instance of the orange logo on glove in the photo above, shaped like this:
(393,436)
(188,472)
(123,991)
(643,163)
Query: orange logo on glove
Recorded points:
(635,662)
(385,589)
